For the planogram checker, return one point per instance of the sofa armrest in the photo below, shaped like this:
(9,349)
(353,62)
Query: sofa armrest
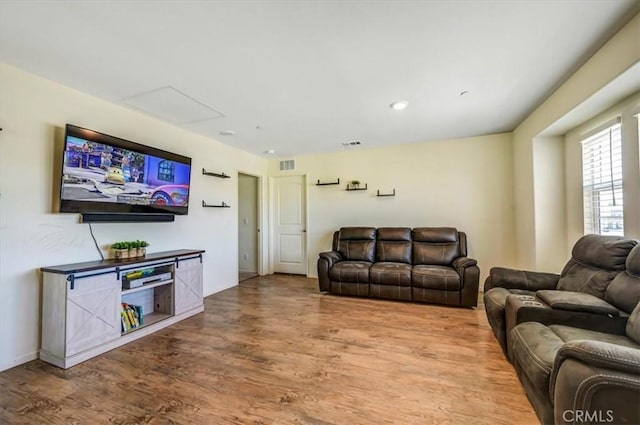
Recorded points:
(589,374)
(577,301)
(469,273)
(326,260)
(520,279)
(331,256)
(599,354)
(462,263)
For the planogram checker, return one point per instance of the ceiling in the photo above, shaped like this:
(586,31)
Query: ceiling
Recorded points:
(302,77)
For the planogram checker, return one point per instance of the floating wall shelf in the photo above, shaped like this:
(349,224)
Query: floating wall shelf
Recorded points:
(357,188)
(222,205)
(386,194)
(327,183)
(220,175)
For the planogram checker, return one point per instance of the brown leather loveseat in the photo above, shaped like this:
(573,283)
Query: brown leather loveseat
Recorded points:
(425,264)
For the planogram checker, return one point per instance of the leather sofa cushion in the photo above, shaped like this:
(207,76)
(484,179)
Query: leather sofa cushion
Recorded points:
(357,233)
(394,245)
(435,234)
(350,272)
(435,277)
(624,290)
(576,301)
(397,274)
(435,245)
(357,243)
(580,277)
(533,350)
(569,333)
(604,252)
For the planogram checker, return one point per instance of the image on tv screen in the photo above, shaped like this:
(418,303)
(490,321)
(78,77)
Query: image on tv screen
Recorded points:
(102,173)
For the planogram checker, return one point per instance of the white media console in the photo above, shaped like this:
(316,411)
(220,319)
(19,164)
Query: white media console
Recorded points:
(82,303)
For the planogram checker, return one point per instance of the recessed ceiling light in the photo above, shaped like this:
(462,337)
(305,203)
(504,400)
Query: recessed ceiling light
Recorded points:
(269,151)
(227,133)
(399,105)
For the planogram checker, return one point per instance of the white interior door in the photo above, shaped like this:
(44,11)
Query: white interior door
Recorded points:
(290,218)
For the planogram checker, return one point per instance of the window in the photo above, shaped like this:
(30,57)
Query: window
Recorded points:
(602,180)
(166,171)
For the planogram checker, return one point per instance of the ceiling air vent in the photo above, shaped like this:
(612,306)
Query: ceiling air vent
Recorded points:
(351,143)
(289,164)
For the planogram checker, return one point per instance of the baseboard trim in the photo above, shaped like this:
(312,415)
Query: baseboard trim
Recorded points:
(20,360)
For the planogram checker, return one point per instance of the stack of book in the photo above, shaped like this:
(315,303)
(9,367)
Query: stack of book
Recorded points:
(131,317)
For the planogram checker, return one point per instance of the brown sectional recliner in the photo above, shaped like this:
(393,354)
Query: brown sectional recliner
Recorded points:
(576,347)
(580,296)
(425,264)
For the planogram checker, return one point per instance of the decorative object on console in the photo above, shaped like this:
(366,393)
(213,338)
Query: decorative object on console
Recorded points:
(129,249)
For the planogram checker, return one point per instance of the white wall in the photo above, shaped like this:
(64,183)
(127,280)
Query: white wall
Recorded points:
(550,216)
(464,183)
(31,236)
(613,59)
(630,169)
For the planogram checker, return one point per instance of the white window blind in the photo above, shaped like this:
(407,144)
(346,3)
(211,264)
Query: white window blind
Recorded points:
(602,181)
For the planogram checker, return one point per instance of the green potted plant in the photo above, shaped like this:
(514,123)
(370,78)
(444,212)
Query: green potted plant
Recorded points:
(120,250)
(133,249)
(142,248)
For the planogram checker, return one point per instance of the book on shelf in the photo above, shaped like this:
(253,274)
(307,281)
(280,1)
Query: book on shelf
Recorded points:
(132,316)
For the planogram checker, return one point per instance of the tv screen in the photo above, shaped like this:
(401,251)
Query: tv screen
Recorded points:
(102,173)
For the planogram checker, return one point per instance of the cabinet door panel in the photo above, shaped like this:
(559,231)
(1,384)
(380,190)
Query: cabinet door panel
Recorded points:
(93,312)
(188,285)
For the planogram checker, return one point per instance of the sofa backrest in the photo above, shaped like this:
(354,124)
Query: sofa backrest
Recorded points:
(394,244)
(437,246)
(357,243)
(624,290)
(595,261)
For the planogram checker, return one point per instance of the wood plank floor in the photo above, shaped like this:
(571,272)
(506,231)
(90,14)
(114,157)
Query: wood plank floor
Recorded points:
(275,351)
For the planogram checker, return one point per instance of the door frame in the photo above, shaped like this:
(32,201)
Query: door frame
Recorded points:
(263,223)
(272,202)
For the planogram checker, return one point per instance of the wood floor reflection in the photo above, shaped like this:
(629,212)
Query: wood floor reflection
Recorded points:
(275,351)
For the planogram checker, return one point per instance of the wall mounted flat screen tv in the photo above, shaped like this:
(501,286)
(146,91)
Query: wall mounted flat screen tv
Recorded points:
(106,174)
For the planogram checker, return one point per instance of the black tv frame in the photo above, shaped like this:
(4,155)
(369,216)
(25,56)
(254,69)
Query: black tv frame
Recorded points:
(113,208)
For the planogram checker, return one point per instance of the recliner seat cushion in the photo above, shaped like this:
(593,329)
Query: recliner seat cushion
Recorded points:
(350,272)
(435,245)
(396,274)
(435,277)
